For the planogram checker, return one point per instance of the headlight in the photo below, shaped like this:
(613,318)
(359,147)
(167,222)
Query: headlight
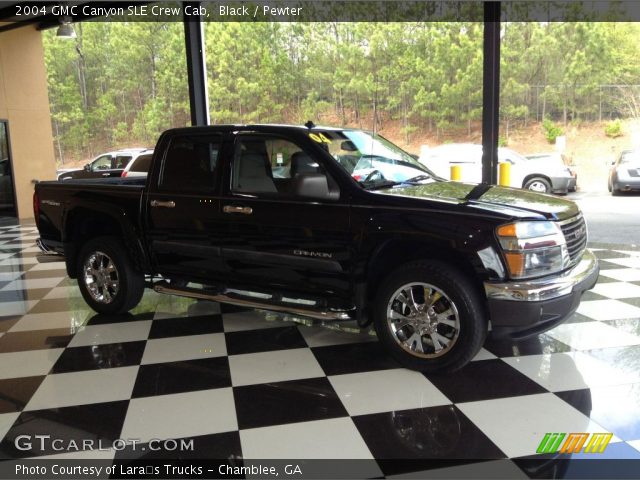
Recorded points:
(533,249)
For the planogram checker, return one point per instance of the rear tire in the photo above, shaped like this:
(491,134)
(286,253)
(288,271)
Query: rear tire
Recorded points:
(429,316)
(108,279)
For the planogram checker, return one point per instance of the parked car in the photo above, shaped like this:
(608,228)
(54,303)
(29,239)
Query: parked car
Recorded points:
(555,160)
(541,177)
(110,164)
(428,262)
(624,175)
(139,165)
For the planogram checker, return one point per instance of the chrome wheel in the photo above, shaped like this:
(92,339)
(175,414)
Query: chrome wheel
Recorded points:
(101,277)
(423,320)
(537,186)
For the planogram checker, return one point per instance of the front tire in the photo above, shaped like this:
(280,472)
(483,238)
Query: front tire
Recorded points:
(430,317)
(107,278)
(538,185)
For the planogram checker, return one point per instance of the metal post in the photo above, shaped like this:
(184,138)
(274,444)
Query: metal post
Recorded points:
(196,66)
(491,92)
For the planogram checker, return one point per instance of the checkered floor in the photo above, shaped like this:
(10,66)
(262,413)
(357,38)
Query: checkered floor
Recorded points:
(247,384)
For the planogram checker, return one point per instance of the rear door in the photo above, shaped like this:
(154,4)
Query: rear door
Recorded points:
(183,208)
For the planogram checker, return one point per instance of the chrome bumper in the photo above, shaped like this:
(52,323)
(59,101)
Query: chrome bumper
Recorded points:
(547,288)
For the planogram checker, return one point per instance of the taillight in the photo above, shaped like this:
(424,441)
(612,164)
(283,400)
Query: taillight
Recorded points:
(357,178)
(124,174)
(36,207)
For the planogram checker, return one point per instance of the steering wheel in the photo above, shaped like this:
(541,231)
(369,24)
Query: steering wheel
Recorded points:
(371,176)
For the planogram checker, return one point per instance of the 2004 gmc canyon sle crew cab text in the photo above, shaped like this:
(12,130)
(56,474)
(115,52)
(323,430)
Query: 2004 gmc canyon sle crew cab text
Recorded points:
(273,217)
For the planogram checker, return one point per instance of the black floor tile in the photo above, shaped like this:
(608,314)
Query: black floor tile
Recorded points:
(604,254)
(589,295)
(54,305)
(605,265)
(23,295)
(264,340)
(579,318)
(176,327)
(353,358)
(631,301)
(97,422)
(504,347)
(184,376)
(286,402)
(603,279)
(104,319)
(15,393)
(219,446)
(94,357)
(579,399)
(7,322)
(36,274)
(34,340)
(435,433)
(484,380)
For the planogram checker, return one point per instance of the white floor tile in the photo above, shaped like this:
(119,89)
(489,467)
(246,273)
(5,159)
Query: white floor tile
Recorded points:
(79,388)
(42,321)
(332,439)
(174,349)
(484,355)
(48,266)
(16,308)
(250,320)
(622,274)
(591,335)
(570,371)
(631,262)
(517,425)
(635,444)
(617,290)
(180,415)
(63,292)
(29,363)
(275,366)
(10,276)
(631,253)
(323,336)
(608,310)
(6,422)
(387,390)
(33,283)
(111,333)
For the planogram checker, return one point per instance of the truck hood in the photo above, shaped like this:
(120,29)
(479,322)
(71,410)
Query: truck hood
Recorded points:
(491,198)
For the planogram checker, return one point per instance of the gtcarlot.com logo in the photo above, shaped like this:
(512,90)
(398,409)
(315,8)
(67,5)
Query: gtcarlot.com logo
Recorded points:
(45,443)
(574,443)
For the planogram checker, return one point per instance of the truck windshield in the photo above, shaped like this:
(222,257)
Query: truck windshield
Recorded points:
(371,159)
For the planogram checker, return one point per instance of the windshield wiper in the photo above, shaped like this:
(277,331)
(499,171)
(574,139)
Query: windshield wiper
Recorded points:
(415,180)
(377,185)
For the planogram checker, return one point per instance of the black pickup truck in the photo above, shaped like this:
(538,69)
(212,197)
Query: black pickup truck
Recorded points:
(330,223)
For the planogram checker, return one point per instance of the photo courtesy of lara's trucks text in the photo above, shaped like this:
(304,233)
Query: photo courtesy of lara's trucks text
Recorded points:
(273,217)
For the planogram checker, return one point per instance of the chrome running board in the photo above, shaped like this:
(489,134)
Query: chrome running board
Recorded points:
(234,298)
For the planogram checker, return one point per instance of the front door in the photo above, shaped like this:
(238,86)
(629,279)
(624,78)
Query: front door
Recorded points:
(277,238)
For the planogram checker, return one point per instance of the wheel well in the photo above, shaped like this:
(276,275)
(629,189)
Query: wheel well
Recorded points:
(398,253)
(535,175)
(82,226)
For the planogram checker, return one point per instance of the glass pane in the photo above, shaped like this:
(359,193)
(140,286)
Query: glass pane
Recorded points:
(7,197)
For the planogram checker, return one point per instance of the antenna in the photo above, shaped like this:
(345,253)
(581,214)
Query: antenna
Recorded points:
(309,124)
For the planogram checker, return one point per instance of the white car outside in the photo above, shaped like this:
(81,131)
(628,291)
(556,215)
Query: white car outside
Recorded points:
(543,174)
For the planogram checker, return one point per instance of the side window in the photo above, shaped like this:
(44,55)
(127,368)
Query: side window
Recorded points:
(142,163)
(122,161)
(190,163)
(101,163)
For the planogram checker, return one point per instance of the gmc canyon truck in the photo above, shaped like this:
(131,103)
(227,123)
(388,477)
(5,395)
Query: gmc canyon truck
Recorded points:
(273,217)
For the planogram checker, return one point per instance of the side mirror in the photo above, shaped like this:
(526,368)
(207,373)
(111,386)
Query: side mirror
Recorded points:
(87,167)
(414,156)
(313,185)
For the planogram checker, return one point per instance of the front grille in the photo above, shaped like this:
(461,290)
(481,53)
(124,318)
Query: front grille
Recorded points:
(575,234)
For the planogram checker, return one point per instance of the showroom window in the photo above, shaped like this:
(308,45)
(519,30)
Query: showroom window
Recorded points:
(190,163)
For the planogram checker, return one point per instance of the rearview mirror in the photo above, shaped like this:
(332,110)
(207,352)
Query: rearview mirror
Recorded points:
(313,185)
(348,146)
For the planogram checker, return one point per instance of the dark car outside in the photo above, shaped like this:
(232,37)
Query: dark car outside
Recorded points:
(624,175)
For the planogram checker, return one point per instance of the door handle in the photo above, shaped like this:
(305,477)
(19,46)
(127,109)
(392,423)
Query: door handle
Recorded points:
(106,174)
(237,209)
(167,204)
